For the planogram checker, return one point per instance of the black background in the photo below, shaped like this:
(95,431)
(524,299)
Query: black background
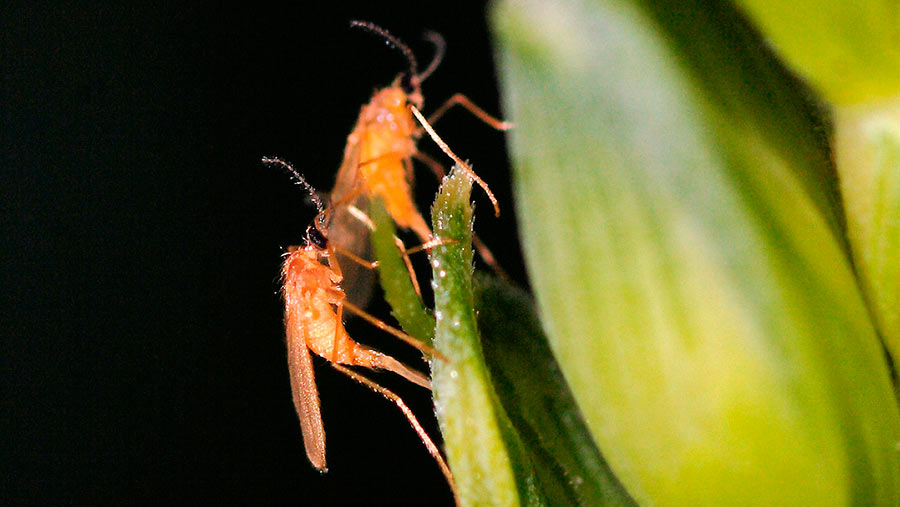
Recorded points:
(142,352)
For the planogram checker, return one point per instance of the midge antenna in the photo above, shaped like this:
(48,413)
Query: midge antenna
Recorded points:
(313,193)
(392,41)
(440,47)
(412,82)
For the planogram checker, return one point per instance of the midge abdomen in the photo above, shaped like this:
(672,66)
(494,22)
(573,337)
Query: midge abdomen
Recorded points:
(311,293)
(385,133)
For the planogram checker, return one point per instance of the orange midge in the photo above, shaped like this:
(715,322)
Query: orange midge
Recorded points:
(379,152)
(313,318)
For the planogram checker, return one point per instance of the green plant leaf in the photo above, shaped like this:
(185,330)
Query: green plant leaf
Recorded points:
(692,286)
(849,50)
(406,305)
(867,147)
(736,72)
(489,463)
(567,464)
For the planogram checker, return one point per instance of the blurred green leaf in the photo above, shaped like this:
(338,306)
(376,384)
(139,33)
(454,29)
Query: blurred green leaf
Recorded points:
(691,283)
(849,50)
(867,147)
(567,464)
(489,463)
(738,75)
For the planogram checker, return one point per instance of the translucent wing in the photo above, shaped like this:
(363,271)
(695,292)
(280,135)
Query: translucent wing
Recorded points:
(303,387)
(347,230)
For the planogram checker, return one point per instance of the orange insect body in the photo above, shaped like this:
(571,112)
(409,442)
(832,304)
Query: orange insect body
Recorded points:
(313,317)
(378,155)
(311,293)
(385,137)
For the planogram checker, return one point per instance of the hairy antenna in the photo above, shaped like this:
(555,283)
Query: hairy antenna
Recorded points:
(313,193)
(394,42)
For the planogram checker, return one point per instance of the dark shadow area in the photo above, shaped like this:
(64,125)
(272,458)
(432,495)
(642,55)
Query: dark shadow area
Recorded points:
(143,355)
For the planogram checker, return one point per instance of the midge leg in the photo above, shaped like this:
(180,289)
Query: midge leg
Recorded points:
(446,149)
(409,267)
(427,245)
(479,245)
(413,421)
(355,258)
(383,156)
(461,100)
(433,164)
(387,328)
(361,216)
(334,345)
(488,257)
(336,267)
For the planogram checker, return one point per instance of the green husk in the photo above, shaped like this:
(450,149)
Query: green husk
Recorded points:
(850,52)
(867,147)
(567,464)
(693,287)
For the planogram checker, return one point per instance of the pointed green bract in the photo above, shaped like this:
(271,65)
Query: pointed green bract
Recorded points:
(526,380)
(489,464)
(406,305)
(691,283)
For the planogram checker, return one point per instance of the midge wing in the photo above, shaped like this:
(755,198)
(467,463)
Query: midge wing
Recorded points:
(303,387)
(348,231)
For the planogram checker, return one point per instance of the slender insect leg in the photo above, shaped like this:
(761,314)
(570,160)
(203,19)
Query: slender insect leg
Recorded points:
(410,416)
(394,331)
(361,216)
(428,245)
(336,267)
(446,149)
(488,257)
(355,258)
(435,166)
(409,267)
(408,168)
(337,327)
(461,100)
(390,154)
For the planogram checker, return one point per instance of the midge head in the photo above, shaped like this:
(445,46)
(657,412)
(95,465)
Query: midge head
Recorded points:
(315,237)
(315,234)
(411,83)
